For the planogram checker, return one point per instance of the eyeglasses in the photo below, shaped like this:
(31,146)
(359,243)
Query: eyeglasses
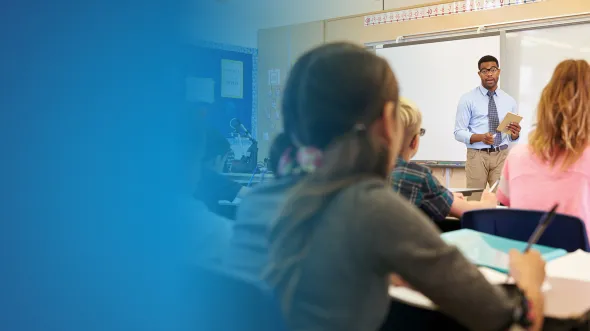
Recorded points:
(493,70)
(422,132)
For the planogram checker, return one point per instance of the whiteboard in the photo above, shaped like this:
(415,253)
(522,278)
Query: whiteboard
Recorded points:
(435,75)
(531,58)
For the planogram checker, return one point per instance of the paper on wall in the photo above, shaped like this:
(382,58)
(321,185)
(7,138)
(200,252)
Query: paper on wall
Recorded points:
(200,89)
(274,77)
(232,79)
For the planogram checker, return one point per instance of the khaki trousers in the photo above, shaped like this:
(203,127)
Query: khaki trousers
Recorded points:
(483,168)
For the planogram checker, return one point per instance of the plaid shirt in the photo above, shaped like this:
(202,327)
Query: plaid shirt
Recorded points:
(417,184)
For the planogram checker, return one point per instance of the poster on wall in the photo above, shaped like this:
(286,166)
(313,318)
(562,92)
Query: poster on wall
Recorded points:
(232,79)
(274,77)
(200,89)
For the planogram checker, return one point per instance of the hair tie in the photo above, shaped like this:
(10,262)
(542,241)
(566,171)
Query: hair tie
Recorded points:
(359,127)
(307,160)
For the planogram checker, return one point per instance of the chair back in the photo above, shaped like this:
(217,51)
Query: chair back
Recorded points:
(565,231)
(228,301)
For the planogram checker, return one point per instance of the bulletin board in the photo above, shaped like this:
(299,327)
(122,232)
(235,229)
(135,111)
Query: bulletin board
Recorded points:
(232,71)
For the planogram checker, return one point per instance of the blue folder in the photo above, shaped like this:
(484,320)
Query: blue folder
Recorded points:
(491,251)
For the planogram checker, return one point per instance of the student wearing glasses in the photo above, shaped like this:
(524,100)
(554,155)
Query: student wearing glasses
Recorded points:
(416,182)
(479,114)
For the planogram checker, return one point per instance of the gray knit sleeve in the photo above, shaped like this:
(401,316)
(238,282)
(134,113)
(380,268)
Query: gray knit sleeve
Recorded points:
(405,242)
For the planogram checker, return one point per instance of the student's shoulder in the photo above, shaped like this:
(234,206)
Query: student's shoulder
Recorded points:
(518,151)
(375,196)
(409,170)
(584,163)
(261,204)
(521,158)
(273,189)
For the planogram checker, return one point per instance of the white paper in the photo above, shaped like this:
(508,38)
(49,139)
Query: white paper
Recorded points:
(274,77)
(232,79)
(575,265)
(496,277)
(200,89)
(415,298)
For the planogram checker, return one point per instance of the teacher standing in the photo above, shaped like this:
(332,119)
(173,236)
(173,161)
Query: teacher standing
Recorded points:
(479,114)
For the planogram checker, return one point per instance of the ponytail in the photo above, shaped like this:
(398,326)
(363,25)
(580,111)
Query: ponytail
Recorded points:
(280,144)
(348,160)
(330,91)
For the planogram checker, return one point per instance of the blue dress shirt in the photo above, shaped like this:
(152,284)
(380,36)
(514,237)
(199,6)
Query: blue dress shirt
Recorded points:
(472,115)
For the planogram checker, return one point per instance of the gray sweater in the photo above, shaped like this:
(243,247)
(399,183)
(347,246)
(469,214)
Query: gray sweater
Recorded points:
(366,233)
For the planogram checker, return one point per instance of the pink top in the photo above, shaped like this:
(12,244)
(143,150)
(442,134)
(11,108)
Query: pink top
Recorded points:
(528,183)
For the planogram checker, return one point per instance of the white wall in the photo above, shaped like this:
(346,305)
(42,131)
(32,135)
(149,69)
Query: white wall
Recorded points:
(243,18)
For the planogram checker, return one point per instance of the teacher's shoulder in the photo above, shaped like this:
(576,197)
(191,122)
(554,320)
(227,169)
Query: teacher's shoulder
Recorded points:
(467,97)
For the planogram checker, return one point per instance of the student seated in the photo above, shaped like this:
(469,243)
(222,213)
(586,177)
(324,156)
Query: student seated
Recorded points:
(337,229)
(416,182)
(215,186)
(555,165)
(210,233)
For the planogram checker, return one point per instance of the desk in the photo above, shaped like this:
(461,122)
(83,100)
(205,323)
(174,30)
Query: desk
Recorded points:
(244,178)
(228,203)
(228,209)
(565,299)
(466,191)
(566,305)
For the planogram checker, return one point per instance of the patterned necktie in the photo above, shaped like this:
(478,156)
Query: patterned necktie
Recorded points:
(493,119)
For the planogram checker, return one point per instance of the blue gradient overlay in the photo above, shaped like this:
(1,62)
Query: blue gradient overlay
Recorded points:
(97,150)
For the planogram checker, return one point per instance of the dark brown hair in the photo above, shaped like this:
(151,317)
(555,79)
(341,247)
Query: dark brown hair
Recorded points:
(330,90)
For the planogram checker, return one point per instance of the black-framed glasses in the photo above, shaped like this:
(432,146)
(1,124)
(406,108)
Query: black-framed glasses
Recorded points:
(422,132)
(492,70)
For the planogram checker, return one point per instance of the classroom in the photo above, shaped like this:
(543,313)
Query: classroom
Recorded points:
(475,205)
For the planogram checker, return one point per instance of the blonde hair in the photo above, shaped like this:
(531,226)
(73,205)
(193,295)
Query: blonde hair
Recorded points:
(410,118)
(563,115)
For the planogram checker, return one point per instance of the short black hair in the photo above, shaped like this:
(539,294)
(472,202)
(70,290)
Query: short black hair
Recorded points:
(216,144)
(487,58)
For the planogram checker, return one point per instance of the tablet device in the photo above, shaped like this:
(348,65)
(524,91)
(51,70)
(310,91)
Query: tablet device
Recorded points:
(509,118)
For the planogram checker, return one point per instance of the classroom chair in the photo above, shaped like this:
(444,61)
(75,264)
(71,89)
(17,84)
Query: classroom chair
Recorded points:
(228,301)
(565,231)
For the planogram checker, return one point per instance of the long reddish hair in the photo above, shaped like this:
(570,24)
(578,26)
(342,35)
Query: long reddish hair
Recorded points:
(563,115)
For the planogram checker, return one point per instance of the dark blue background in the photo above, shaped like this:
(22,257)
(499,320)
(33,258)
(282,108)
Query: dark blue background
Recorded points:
(207,64)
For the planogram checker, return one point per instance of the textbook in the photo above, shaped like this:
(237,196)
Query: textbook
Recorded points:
(491,251)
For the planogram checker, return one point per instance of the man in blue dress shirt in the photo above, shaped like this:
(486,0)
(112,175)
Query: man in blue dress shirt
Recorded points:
(479,114)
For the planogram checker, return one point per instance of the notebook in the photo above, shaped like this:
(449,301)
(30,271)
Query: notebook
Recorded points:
(417,299)
(509,118)
(575,265)
(491,251)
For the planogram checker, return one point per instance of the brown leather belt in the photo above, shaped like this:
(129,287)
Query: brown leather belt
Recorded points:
(494,149)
